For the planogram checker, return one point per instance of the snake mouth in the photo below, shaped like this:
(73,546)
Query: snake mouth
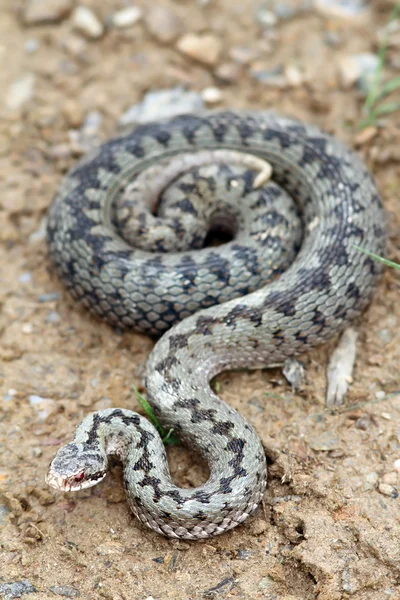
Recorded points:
(71,484)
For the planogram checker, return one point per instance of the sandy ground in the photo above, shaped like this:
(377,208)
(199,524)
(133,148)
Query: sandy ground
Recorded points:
(329,527)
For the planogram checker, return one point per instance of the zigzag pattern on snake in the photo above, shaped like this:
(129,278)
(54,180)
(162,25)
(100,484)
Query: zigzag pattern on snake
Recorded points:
(227,305)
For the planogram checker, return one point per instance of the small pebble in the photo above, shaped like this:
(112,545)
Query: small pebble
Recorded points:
(212,95)
(265,17)
(387,490)
(285,11)
(293,370)
(204,48)
(228,72)
(25,277)
(358,68)
(75,45)
(396,465)
(37,12)
(272,77)
(162,104)
(341,8)
(391,478)
(40,233)
(243,55)
(27,328)
(85,21)
(365,136)
(163,24)
(324,442)
(43,406)
(53,317)
(126,17)
(31,46)
(20,92)
(380,395)
(65,590)
(371,480)
(49,297)
(73,113)
(293,76)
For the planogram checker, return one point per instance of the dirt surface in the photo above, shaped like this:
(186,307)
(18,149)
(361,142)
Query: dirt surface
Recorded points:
(329,527)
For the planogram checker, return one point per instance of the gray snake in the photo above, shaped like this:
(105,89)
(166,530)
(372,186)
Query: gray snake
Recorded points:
(228,307)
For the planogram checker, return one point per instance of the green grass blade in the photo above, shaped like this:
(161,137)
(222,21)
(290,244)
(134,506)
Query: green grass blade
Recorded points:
(386,109)
(385,261)
(168,437)
(375,90)
(388,87)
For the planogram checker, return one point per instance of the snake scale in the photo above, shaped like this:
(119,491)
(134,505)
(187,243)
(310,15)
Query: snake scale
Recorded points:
(227,306)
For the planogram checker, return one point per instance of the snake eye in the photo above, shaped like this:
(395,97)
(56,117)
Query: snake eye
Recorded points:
(79,477)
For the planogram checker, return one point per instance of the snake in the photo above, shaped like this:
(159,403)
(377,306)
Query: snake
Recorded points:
(234,237)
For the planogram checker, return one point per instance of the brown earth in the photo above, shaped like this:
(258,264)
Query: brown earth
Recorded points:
(329,527)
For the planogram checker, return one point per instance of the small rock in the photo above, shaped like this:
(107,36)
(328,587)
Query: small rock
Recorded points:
(87,137)
(293,76)
(387,490)
(163,24)
(46,11)
(27,328)
(162,104)
(204,48)
(332,39)
(265,17)
(228,72)
(293,370)
(25,277)
(126,17)
(212,95)
(31,46)
(17,589)
(49,297)
(243,55)
(396,465)
(85,21)
(258,526)
(363,422)
(285,11)
(366,135)
(272,77)
(40,233)
(43,406)
(109,548)
(75,45)
(52,317)
(20,92)
(391,478)
(325,442)
(371,480)
(358,68)
(65,590)
(73,112)
(341,8)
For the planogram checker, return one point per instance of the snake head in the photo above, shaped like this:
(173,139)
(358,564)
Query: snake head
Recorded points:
(76,467)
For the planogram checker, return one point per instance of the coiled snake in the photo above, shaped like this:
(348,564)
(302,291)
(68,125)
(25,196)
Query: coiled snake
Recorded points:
(229,307)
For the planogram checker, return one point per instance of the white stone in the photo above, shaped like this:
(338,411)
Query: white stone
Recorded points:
(46,11)
(85,21)
(20,92)
(344,9)
(126,17)
(212,95)
(204,48)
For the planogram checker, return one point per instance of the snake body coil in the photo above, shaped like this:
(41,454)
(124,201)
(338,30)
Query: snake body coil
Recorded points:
(321,203)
